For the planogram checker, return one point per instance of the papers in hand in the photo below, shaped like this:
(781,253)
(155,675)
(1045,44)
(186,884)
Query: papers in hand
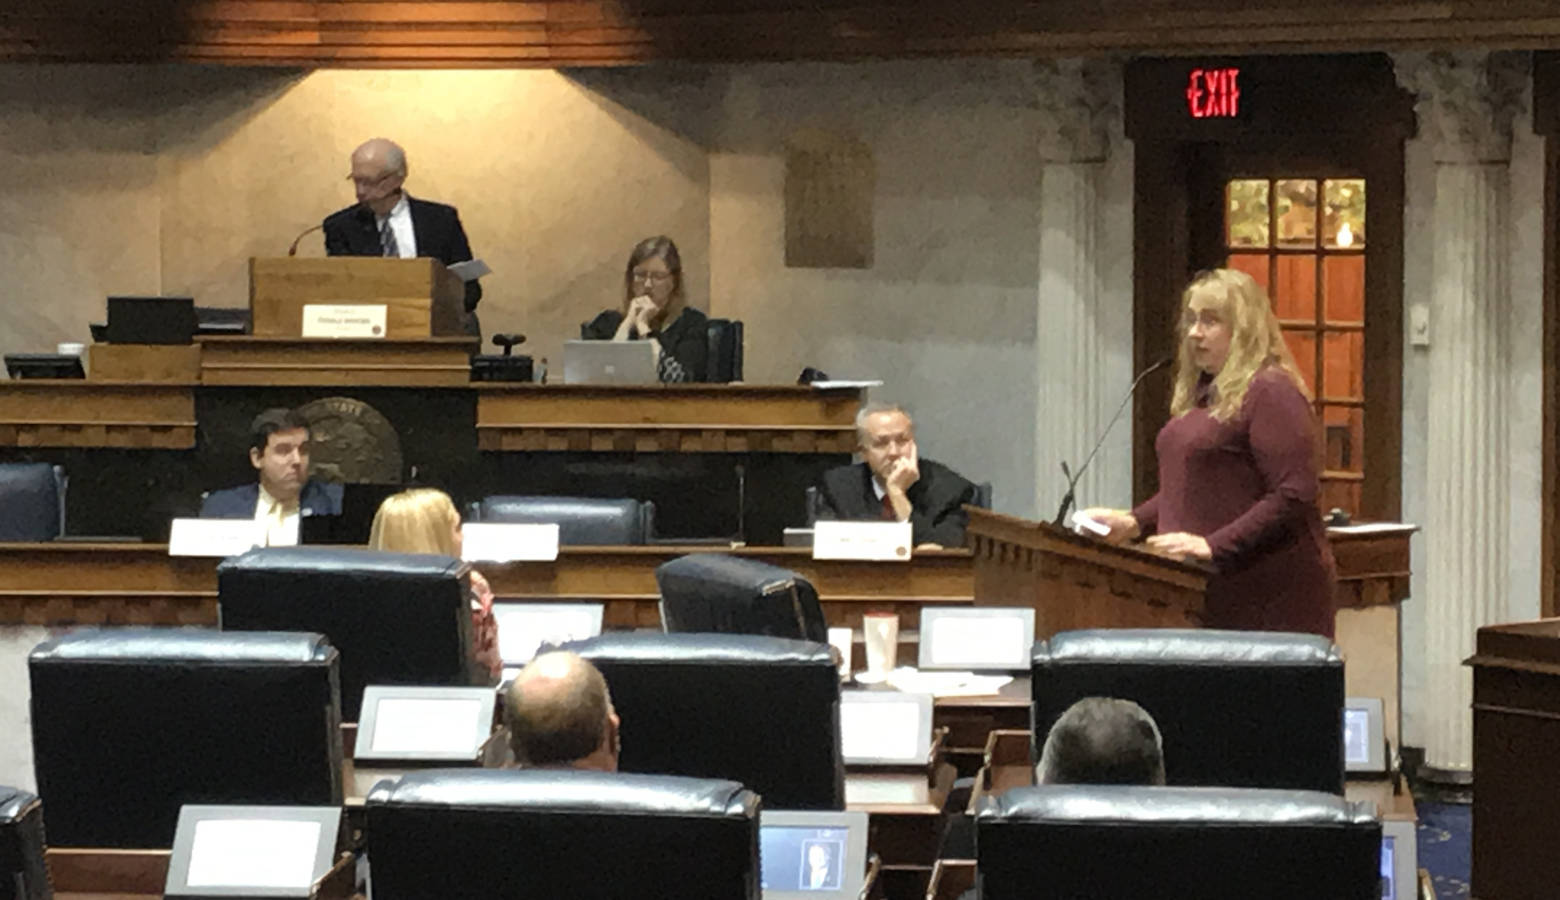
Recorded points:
(946,684)
(838,384)
(1083,524)
(470,270)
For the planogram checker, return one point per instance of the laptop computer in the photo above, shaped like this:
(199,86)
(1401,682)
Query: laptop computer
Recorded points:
(812,854)
(609,362)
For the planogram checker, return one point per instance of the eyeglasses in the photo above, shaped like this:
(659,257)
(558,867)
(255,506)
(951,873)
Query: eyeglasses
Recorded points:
(371,182)
(657,277)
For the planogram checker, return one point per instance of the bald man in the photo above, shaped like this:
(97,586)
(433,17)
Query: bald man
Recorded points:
(386,221)
(560,715)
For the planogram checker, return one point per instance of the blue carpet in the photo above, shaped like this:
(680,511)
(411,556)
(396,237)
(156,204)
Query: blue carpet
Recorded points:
(1445,846)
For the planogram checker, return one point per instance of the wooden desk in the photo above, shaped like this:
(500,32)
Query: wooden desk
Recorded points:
(77,413)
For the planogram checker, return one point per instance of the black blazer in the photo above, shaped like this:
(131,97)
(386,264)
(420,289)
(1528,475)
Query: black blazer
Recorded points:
(435,226)
(686,339)
(937,501)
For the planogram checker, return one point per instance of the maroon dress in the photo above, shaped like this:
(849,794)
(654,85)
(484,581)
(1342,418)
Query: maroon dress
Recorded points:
(1249,487)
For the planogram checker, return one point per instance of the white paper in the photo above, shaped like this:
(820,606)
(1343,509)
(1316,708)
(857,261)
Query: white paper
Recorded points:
(220,538)
(845,383)
(874,541)
(885,730)
(1372,528)
(842,639)
(946,684)
(258,853)
(344,320)
(524,627)
(470,270)
(508,542)
(973,640)
(1083,524)
(433,725)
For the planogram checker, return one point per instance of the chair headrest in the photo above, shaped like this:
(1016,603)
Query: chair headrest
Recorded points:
(180,645)
(701,569)
(564,790)
(1137,805)
(338,559)
(1186,646)
(655,648)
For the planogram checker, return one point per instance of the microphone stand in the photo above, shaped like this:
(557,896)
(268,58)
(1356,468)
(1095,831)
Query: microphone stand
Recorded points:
(1072,479)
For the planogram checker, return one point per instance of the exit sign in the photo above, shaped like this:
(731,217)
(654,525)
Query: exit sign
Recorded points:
(1213,93)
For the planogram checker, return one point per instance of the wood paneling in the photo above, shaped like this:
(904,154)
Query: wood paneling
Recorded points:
(264,362)
(545,33)
(77,413)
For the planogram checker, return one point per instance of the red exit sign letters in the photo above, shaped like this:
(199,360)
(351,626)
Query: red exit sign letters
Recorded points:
(1213,93)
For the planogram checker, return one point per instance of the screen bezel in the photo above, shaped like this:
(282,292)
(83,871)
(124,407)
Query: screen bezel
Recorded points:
(855,861)
(177,884)
(930,616)
(363,751)
(1375,736)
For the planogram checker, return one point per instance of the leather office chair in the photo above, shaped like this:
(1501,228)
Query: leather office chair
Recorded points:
(1110,841)
(397,618)
(725,351)
(32,501)
(581,520)
(763,711)
(129,724)
(23,875)
(981,499)
(717,592)
(1235,708)
(518,834)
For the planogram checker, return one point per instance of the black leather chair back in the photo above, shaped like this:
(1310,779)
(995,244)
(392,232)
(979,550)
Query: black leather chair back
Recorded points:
(725,350)
(1235,708)
(581,520)
(1103,842)
(129,724)
(546,834)
(32,502)
(23,875)
(717,592)
(763,711)
(981,499)
(397,618)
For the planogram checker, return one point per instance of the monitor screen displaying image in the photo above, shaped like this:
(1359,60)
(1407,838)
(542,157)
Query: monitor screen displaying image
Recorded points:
(802,858)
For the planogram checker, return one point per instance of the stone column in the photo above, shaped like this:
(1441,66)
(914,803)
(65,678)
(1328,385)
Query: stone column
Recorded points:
(1081,370)
(1466,102)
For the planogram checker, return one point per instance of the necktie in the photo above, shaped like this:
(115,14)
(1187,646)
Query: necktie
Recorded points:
(888,510)
(387,239)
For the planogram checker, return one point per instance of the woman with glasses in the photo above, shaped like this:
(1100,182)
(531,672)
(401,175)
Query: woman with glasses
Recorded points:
(1237,466)
(654,310)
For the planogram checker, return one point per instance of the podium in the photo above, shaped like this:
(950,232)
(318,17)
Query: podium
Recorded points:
(422,298)
(1072,581)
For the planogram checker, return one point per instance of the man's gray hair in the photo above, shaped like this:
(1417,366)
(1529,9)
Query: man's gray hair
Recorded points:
(875,408)
(1103,740)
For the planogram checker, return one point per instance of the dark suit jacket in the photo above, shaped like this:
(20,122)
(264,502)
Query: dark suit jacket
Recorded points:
(436,227)
(936,501)
(317,499)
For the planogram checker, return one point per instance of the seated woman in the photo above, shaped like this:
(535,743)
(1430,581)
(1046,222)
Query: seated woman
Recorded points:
(424,520)
(654,310)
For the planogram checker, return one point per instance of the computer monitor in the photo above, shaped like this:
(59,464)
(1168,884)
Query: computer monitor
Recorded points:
(1399,860)
(524,628)
(1364,736)
(811,854)
(424,724)
(976,638)
(43,365)
(216,851)
(150,320)
(359,504)
(885,728)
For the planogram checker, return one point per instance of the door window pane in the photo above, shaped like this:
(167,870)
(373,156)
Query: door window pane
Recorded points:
(1296,203)
(1343,217)
(1246,213)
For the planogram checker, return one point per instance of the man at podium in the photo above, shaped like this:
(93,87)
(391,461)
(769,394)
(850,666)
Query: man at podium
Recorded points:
(386,221)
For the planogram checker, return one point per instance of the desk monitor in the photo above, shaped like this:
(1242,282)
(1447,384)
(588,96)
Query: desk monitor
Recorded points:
(424,724)
(359,503)
(1364,736)
(251,851)
(609,362)
(1399,860)
(885,728)
(811,854)
(523,628)
(150,320)
(43,365)
(980,638)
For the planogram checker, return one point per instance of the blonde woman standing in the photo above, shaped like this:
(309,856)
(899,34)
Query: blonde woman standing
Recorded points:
(424,520)
(1237,466)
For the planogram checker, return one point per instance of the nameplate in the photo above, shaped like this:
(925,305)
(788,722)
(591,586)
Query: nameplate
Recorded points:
(979,638)
(509,542)
(339,320)
(877,541)
(885,728)
(220,538)
(524,627)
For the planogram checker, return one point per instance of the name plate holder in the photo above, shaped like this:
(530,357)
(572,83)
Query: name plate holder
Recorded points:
(243,852)
(871,541)
(219,538)
(509,542)
(345,320)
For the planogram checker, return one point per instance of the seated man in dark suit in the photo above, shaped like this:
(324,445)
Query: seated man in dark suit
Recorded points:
(386,221)
(560,715)
(279,451)
(1102,740)
(893,483)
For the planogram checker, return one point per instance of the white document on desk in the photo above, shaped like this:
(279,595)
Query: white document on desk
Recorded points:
(509,542)
(219,538)
(873,541)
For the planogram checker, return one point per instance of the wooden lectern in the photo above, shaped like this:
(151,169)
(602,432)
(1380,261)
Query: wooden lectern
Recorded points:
(1074,582)
(1516,734)
(423,298)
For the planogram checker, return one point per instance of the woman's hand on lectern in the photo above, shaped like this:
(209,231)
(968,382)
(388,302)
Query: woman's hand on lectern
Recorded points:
(1123,526)
(1181,545)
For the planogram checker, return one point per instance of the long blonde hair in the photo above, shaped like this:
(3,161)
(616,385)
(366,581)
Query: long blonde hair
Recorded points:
(421,520)
(1256,342)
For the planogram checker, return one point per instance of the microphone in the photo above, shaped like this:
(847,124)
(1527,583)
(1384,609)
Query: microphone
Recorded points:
(741,504)
(1072,477)
(293,250)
